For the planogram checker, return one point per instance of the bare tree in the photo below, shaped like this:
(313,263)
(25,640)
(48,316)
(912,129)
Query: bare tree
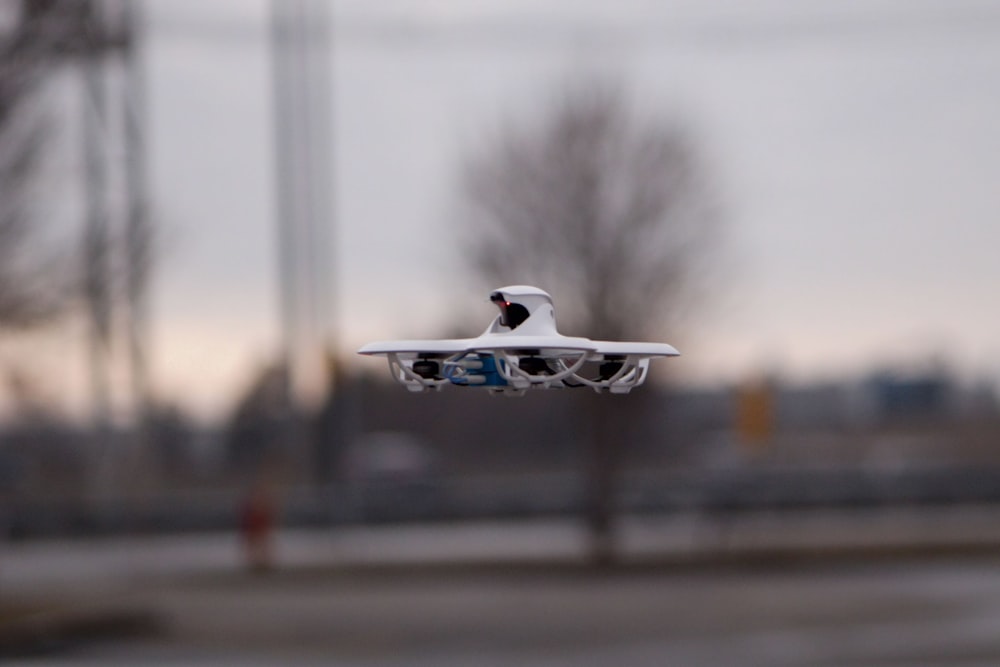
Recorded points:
(608,210)
(28,296)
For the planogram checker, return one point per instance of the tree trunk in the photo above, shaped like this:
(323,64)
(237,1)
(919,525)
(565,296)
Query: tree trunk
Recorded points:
(606,450)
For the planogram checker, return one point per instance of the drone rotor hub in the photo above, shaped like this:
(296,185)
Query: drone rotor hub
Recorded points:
(534,366)
(427,369)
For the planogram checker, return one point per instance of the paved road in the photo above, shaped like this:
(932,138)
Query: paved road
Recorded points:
(906,614)
(677,538)
(410,609)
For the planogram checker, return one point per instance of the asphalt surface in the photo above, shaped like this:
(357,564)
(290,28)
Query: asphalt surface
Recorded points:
(521,594)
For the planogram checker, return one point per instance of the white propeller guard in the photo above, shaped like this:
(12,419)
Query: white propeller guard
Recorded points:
(508,342)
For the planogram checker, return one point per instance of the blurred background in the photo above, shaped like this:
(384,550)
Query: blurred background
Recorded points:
(205,208)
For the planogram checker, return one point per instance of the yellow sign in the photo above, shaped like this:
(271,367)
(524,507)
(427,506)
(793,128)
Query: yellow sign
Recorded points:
(755,414)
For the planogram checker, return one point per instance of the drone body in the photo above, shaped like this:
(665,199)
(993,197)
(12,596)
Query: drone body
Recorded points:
(520,350)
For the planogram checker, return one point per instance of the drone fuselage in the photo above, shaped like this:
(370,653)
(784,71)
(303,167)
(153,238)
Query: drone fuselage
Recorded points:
(521,349)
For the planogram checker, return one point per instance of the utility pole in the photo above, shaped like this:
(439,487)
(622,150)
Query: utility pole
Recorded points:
(303,179)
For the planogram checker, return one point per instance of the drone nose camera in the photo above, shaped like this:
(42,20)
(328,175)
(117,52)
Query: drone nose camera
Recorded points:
(520,350)
(512,315)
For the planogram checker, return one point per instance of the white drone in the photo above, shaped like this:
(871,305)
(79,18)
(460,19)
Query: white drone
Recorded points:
(520,350)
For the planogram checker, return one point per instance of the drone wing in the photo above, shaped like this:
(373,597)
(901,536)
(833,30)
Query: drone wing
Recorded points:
(609,348)
(417,348)
(533,345)
(518,362)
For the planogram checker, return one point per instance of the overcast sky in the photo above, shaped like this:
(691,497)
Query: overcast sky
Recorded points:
(856,146)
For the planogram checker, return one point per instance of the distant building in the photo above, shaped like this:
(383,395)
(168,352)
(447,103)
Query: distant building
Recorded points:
(921,397)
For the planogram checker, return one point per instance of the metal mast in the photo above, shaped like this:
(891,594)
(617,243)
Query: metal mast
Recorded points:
(301,77)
